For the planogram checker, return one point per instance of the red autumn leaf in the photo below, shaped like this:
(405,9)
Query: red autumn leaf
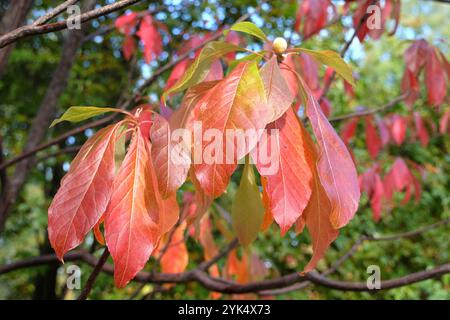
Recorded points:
(400,178)
(371,183)
(268,216)
(225,106)
(309,70)
(84,193)
(171,158)
(289,188)
(177,72)
(435,78)
(383,130)
(349,129)
(335,167)
(314,14)
(175,259)
(443,123)
(288,69)
(150,37)
(278,98)
(325,105)
(129,47)
(126,23)
(317,214)
(373,141)
(410,86)
(421,131)
(398,128)
(132,233)
(234,38)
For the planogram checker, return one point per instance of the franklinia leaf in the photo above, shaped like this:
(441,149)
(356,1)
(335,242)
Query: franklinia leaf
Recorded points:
(150,37)
(278,98)
(126,22)
(331,59)
(131,232)
(237,102)
(398,128)
(285,169)
(199,69)
(249,28)
(317,214)
(435,77)
(314,14)
(77,114)
(84,193)
(171,158)
(335,167)
(247,211)
(373,141)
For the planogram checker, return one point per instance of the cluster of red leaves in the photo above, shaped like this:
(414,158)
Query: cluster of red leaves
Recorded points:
(145,28)
(422,55)
(314,15)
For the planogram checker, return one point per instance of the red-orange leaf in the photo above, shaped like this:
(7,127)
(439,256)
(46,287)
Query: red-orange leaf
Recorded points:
(236,102)
(289,188)
(278,98)
(335,167)
(130,232)
(175,259)
(373,141)
(84,193)
(316,216)
(171,158)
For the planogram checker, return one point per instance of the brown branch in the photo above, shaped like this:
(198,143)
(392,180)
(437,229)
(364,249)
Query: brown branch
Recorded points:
(97,269)
(53,13)
(31,30)
(385,107)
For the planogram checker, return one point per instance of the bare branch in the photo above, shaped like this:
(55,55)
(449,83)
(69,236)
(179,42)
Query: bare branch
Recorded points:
(97,269)
(31,30)
(54,12)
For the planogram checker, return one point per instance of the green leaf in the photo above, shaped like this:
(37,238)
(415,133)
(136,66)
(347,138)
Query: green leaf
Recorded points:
(331,59)
(247,210)
(257,57)
(199,69)
(249,28)
(77,114)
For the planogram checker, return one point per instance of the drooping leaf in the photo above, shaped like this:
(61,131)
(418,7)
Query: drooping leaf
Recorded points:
(335,167)
(285,169)
(317,219)
(249,28)
(199,69)
(314,14)
(84,193)
(78,113)
(126,22)
(331,59)
(247,211)
(171,158)
(348,130)
(421,130)
(398,128)
(131,233)
(150,37)
(278,98)
(236,102)
(435,78)
(373,141)
(128,47)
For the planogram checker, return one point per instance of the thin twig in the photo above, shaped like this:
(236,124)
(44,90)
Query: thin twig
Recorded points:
(94,274)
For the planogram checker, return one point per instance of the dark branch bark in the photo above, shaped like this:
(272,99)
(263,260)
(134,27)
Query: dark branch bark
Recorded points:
(93,276)
(31,30)
(13,18)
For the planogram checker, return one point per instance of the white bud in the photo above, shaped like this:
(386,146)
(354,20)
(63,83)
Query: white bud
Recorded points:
(279,45)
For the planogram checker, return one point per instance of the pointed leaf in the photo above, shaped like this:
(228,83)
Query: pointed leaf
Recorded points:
(84,193)
(77,114)
(335,167)
(278,98)
(247,211)
(130,232)
(237,102)
(287,173)
(249,28)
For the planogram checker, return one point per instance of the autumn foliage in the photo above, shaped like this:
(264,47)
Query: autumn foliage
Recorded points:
(124,184)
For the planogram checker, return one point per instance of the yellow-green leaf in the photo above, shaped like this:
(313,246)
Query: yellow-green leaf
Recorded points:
(331,59)
(249,28)
(199,69)
(257,57)
(77,114)
(247,210)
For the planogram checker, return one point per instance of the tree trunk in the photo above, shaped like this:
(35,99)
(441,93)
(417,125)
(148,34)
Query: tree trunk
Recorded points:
(14,17)
(46,113)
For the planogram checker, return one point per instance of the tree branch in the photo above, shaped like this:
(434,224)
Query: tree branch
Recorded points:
(93,276)
(32,29)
